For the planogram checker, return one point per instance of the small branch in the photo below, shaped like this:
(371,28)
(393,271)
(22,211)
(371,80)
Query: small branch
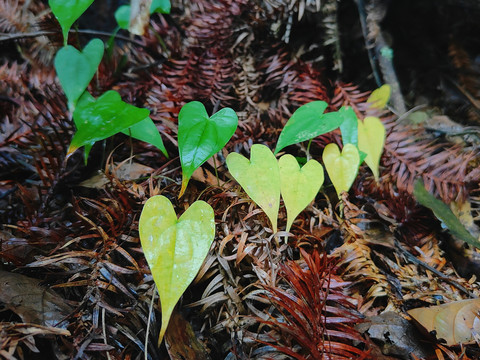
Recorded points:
(19,36)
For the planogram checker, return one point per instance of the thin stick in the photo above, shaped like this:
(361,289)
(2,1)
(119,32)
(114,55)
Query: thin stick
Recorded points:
(150,310)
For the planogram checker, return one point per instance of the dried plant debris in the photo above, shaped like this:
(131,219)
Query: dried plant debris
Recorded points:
(74,280)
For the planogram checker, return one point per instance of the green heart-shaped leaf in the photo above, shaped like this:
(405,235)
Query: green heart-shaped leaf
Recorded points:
(306,123)
(299,186)
(146,130)
(76,69)
(174,249)
(378,99)
(67,12)
(259,177)
(341,167)
(200,136)
(99,119)
(371,138)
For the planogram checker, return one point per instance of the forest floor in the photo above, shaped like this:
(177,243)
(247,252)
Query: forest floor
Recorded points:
(74,282)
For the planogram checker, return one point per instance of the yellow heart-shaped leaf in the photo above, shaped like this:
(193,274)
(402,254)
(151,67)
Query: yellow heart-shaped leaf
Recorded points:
(174,249)
(260,179)
(371,137)
(342,167)
(298,185)
(378,99)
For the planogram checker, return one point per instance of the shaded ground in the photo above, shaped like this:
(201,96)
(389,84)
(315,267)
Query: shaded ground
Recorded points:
(74,232)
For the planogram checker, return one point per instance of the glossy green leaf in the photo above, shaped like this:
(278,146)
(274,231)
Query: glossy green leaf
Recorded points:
(260,178)
(174,249)
(371,138)
(306,123)
(378,99)
(76,69)
(67,12)
(200,136)
(349,126)
(101,118)
(342,167)
(443,213)
(299,186)
(146,130)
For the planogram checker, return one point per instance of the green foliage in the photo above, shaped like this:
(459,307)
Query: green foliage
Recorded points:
(378,99)
(101,118)
(299,186)
(342,167)
(371,137)
(308,122)
(146,130)
(349,126)
(259,177)
(443,213)
(174,249)
(67,12)
(75,69)
(200,136)
(122,15)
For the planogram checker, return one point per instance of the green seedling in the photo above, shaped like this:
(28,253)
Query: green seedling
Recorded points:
(122,15)
(200,136)
(342,167)
(174,248)
(308,122)
(378,99)
(299,186)
(67,12)
(371,138)
(146,130)
(75,69)
(443,213)
(98,119)
(260,178)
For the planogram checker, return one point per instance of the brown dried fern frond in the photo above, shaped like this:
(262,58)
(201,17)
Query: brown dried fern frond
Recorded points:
(313,311)
(444,167)
(348,94)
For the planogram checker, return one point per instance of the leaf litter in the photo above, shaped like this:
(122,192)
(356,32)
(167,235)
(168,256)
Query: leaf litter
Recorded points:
(78,252)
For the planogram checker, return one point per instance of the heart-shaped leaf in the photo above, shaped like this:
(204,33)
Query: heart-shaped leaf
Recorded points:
(371,137)
(76,69)
(146,130)
(67,12)
(341,167)
(99,119)
(306,123)
(200,136)
(174,249)
(299,186)
(378,99)
(259,177)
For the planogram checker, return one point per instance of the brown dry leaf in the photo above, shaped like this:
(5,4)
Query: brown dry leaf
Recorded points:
(139,16)
(181,341)
(456,322)
(123,171)
(32,302)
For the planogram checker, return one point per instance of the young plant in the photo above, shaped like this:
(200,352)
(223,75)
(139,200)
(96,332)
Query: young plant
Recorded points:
(67,12)
(123,13)
(264,178)
(299,186)
(174,248)
(342,167)
(260,178)
(200,136)
(306,123)
(371,138)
